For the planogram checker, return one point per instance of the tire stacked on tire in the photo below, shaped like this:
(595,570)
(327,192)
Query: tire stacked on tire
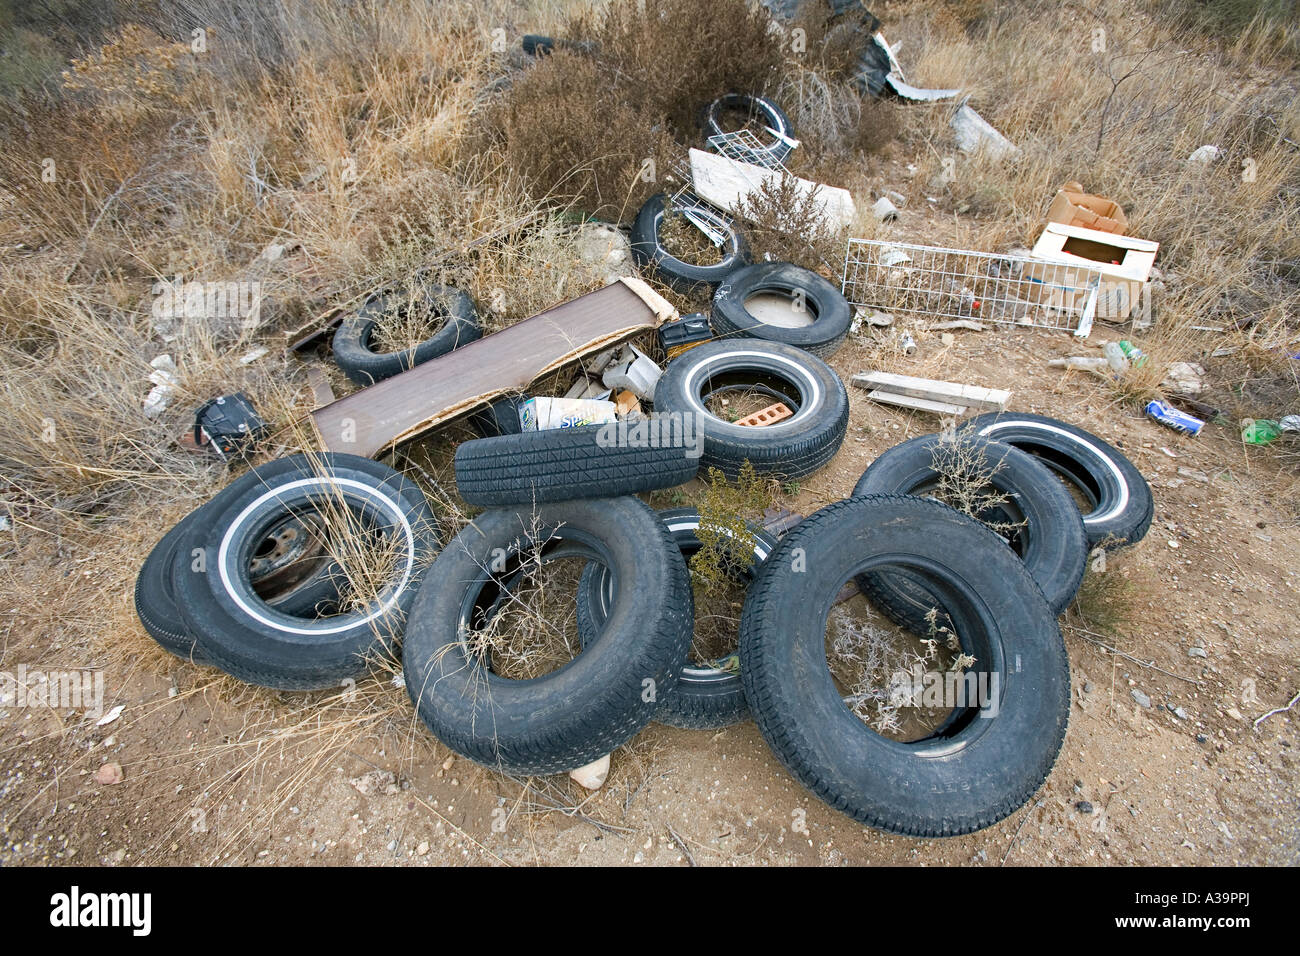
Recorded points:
(196,597)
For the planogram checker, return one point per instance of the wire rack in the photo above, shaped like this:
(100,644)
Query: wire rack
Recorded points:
(743,145)
(963,284)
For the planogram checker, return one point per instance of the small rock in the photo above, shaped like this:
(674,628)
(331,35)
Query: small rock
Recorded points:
(593,775)
(1201,738)
(947,338)
(1204,155)
(638,858)
(109,774)
(447,764)
(1142,699)
(1196,652)
(1083,806)
(1234,713)
(111,716)
(375,782)
(422,849)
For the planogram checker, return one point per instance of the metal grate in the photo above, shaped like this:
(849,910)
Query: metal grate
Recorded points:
(963,284)
(743,145)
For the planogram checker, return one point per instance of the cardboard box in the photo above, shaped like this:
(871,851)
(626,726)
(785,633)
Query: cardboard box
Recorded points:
(1074,259)
(538,414)
(1073,207)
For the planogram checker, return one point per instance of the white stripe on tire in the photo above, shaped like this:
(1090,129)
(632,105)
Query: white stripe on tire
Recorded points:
(224,569)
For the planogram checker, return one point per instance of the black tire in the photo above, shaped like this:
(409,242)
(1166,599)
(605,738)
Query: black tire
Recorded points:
(984,762)
(831,313)
(769,154)
(1122,503)
(242,634)
(363,365)
(791,448)
(155,602)
(564,464)
(1051,541)
(648,251)
(593,704)
(709,695)
(498,418)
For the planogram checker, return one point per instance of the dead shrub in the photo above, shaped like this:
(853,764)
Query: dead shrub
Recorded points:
(784,223)
(677,56)
(571,133)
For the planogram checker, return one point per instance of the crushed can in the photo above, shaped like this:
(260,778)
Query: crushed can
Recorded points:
(1171,417)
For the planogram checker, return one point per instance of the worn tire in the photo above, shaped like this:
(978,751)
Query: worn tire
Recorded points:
(597,702)
(1122,503)
(247,638)
(769,154)
(564,464)
(978,769)
(500,417)
(364,366)
(1052,543)
(648,251)
(791,448)
(832,314)
(707,696)
(155,601)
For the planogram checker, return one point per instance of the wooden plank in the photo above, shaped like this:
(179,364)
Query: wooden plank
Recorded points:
(724,182)
(916,404)
(952,393)
(321,390)
(407,405)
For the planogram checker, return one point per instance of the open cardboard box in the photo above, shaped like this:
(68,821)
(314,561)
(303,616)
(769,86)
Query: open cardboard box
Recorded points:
(1073,259)
(1073,207)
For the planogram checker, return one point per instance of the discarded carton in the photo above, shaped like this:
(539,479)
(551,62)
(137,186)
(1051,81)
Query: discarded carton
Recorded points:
(540,414)
(1073,207)
(1124,264)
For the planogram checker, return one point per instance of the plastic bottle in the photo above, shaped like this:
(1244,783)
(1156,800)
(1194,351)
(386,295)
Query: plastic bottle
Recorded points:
(1133,353)
(1115,357)
(1259,431)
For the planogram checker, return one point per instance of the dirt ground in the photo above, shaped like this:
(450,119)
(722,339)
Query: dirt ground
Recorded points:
(215,773)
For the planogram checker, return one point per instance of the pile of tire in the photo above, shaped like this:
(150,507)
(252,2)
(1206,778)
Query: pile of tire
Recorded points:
(917,560)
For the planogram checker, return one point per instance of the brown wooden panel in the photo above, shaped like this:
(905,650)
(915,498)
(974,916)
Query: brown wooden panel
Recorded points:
(407,405)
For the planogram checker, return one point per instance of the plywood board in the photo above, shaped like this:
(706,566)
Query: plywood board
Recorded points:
(407,405)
